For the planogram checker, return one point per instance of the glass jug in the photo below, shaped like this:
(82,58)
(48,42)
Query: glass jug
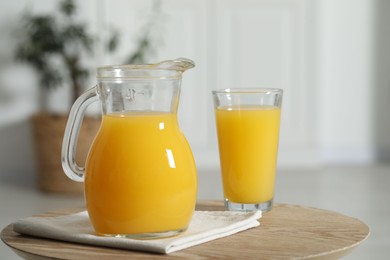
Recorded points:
(140,177)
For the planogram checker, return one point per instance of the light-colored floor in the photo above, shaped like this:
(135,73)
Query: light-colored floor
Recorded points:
(359,191)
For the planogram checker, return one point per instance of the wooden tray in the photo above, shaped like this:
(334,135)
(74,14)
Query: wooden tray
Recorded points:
(288,231)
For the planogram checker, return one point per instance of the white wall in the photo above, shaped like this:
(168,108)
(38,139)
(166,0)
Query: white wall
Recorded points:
(381,78)
(328,55)
(346,83)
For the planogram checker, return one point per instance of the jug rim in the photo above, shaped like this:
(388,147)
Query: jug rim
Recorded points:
(165,69)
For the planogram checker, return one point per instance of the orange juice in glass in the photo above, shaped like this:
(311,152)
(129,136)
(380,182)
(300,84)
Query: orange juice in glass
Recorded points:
(248,123)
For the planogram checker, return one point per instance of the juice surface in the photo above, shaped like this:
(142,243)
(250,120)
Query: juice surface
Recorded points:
(140,175)
(248,145)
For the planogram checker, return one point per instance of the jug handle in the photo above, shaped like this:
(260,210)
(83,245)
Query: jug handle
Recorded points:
(69,143)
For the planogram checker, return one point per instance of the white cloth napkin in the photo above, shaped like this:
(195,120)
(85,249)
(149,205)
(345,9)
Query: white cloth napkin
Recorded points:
(205,226)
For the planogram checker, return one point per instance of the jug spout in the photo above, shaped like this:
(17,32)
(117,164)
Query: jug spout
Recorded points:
(179,64)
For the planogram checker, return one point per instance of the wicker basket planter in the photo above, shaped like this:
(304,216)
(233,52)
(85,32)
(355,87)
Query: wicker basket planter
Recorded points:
(48,132)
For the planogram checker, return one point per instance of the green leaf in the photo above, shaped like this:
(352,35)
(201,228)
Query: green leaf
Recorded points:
(67,7)
(113,41)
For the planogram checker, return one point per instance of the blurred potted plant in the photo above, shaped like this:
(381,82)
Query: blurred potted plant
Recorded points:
(54,45)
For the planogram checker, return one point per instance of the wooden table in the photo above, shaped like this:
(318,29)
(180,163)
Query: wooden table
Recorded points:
(288,231)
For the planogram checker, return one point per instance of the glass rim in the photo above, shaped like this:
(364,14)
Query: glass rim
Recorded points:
(248,91)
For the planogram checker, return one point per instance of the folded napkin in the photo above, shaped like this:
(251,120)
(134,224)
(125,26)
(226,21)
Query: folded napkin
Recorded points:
(205,226)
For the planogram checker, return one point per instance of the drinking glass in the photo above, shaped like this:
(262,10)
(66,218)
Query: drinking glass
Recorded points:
(248,122)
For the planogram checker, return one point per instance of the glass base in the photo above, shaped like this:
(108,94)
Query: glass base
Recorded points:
(146,236)
(233,206)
